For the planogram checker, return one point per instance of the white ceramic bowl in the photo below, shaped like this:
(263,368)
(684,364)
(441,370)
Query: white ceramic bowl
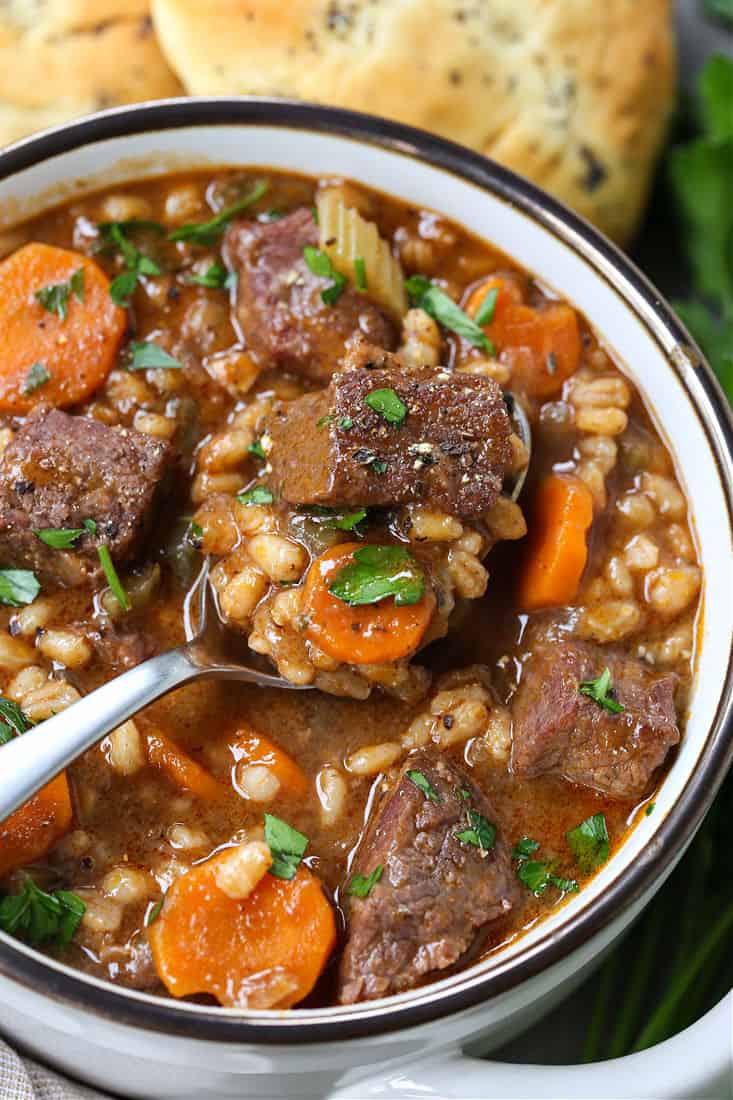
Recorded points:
(139,1045)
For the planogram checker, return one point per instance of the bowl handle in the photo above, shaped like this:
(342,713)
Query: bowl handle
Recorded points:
(695,1065)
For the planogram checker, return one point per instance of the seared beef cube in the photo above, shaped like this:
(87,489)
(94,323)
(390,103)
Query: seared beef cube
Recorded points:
(451,451)
(61,470)
(558,729)
(282,317)
(436,892)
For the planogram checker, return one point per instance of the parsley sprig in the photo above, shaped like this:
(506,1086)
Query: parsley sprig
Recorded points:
(116,236)
(287,846)
(42,919)
(426,295)
(208,232)
(377,572)
(319,263)
(55,297)
(599,690)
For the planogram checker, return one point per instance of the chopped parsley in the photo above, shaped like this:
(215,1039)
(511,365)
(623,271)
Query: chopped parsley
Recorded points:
(91,526)
(216,277)
(377,572)
(536,874)
(206,233)
(361,885)
(257,450)
(524,847)
(589,843)
(336,520)
(18,587)
(42,919)
(152,916)
(599,690)
(287,846)
(113,579)
(319,263)
(649,809)
(485,312)
(364,456)
(360,275)
(481,834)
(388,405)
(55,297)
(59,538)
(145,355)
(425,295)
(115,235)
(423,784)
(37,376)
(258,494)
(12,720)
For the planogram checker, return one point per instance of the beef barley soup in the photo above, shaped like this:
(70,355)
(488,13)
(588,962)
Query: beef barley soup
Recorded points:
(321,391)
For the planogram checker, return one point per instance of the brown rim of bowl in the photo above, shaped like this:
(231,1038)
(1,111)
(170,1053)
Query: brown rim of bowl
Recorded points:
(156,1014)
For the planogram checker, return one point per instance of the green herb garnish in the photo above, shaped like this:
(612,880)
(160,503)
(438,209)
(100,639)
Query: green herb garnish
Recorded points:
(114,235)
(649,809)
(36,377)
(258,494)
(599,691)
(481,834)
(216,277)
(423,784)
(18,587)
(287,846)
(346,424)
(377,572)
(113,579)
(360,274)
(589,843)
(524,847)
(148,356)
(257,450)
(55,297)
(91,526)
(335,520)
(319,263)
(425,295)
(389,406)
(485,312)
(58,538)
(361,885)
(42,919)
(154,913)
(537,876)
(206,233)
(12,720)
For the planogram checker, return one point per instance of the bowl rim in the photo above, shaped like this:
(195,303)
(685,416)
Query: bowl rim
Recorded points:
(372,1019)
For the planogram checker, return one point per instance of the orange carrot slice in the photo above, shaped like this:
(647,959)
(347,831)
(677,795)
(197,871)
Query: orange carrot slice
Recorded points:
(29,833)
(369,634)
(77,353)
(183,769)
(557,551)
(266,951)
(252,747)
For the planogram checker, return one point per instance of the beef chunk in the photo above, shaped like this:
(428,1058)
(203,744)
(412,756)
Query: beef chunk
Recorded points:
(452,450)
(556,729)
(435,893)
(60,470)
(282,317)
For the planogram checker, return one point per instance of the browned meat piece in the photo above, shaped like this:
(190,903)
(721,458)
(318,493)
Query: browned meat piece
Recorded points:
(435,893)
(282,318)
(451,451)
(121,649)
(556,729)
(60,470)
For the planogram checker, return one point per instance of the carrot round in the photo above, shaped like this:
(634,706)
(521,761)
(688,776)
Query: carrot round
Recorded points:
(542,345)
(183,769)
(557,551)
(266,951)
(29,833)
(367,634)
(252,747)
(77,353)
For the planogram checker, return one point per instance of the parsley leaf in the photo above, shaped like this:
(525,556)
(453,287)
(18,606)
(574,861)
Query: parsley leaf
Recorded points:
(257,450)
(287,846)
(377,572)
(482,833)
(152,916)
(361,885)
(599,691)
(206,233)
(360,275)
(147,356)
(115,235)
(258,494)
(485,312)
(388,405)
(58,538)
(524,847)
(423,784)
(216,277)
(335,520)
(55,297)
(425,295)
(42,919)
(18,587)
(537,876)
(91,526)
(319,263)
(36,377)
(113,579)
(13,716)
(649,809)
(589,843)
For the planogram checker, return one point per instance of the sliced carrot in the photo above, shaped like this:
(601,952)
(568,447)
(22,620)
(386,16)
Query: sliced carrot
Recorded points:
(78,352)
(252,747)
(364,635)
(557,551)
(29,833)
(266,951)
(542,346)
(183,769)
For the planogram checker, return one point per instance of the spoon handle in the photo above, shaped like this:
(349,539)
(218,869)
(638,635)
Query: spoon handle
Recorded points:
(28,762)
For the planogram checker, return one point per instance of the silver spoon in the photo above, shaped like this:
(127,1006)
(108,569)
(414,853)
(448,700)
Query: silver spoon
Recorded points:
(28,762)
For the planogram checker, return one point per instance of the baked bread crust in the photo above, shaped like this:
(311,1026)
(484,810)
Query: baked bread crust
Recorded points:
(68,62)
(575,94)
